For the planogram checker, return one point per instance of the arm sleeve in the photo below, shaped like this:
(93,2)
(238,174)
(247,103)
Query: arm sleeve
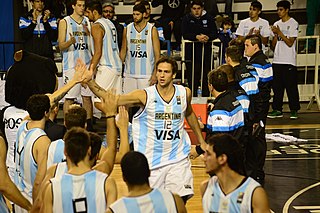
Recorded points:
(26,27)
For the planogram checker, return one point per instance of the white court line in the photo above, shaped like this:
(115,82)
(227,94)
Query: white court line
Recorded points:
(315,211)
(278,159)
(306,207)
(293,197)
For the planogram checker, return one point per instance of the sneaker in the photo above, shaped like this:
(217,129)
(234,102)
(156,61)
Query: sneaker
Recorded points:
(275,114)
(293,114)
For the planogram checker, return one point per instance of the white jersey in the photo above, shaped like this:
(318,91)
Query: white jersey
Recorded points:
(261,24)
(82,48)
(240,200)
(156,201)
(26,166)
(159,128)
(139,61)
(79,193)
(12,119)
(3,205)
(110,51)
(283,54)
(56,152)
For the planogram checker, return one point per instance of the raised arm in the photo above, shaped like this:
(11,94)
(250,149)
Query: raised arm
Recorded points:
(122,123)
(7,187)
(109,107)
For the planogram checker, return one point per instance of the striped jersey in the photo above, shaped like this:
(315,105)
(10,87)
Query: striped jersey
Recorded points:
(56,152)
(247,77)
(61,169)
(79,193)
(139,60)
(26,166)
(156,201)
(3,205)
(82,48)
(12,118)
(159,128)
(240,200)
(110,51)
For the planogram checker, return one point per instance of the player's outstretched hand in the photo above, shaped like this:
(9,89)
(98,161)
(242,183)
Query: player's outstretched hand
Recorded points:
(193,153)
(122,121)
(109,102)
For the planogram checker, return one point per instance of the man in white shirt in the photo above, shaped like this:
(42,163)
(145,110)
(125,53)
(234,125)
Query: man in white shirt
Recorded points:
(254,24)
(284,62)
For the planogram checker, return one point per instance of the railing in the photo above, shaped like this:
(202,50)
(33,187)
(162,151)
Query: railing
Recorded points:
(307,59)
(183,55)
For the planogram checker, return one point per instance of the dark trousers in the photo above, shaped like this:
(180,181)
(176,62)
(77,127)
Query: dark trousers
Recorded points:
(212,8)
(313,8)
(256,149)
(167,31)
(285,77)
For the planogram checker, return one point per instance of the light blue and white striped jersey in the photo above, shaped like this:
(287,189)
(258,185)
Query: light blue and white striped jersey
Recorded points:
(156,201)
(56,152)
(26,166)
(159,128)
(82,48)
(110,51)
(240,200)
(79,193)
(139,60)
(3,205)
(61,169)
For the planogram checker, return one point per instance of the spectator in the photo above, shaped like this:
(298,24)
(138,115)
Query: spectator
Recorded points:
(284,62)
(212,8)
(171,15)
(313,9)
(254,24)
(108,11)
(225,35)
(200,27)
(39,29)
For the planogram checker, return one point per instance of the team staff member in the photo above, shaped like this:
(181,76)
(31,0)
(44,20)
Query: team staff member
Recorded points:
(261,63)
(38,29)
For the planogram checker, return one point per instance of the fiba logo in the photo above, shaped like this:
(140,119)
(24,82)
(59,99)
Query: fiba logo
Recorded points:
(173,3)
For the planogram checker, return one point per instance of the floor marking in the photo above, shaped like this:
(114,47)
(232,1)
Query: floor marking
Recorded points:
(304,130)
(287,132)
(307,207)
(293,197)
(278,159)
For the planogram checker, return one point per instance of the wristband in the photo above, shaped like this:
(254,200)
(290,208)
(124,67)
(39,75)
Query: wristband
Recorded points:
(111,116)
(199,150)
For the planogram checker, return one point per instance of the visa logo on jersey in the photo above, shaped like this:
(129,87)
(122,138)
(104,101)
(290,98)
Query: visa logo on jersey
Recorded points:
(138,54)
(167,134)
(80,46)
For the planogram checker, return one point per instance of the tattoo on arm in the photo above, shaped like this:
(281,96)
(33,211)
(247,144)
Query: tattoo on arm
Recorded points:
(59,97)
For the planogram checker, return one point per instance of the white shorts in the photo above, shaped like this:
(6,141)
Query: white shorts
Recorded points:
(77,90)
(108,78)
(130,84)
(177,178)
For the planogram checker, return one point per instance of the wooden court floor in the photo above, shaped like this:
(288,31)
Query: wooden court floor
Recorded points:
(292,172)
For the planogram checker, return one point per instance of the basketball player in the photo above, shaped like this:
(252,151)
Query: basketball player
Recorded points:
(141,197)
(7,187)
(228,190)
(106,52)
(140,50)
(159,129)
(75,42)
(75,117)
(81,189)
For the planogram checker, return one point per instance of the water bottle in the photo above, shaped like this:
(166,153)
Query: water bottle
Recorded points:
(199,92)
(199,118)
